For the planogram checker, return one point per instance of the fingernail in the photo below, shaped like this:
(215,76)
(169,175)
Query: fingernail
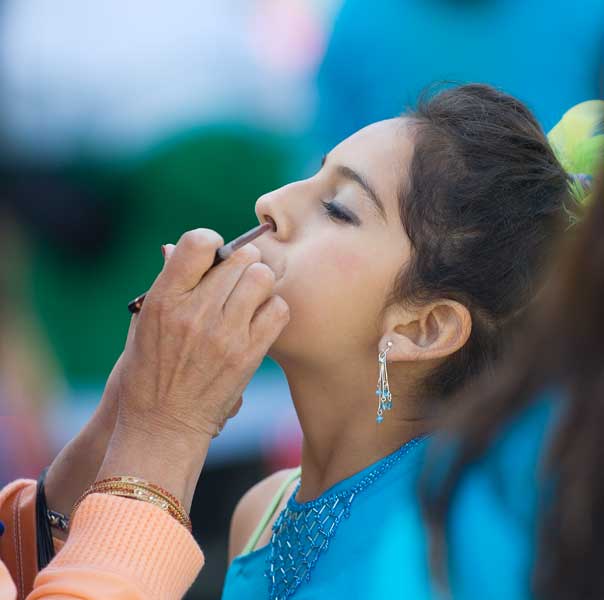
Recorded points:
(163,250)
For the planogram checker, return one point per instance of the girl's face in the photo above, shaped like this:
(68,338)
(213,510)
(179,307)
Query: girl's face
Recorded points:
(339,245)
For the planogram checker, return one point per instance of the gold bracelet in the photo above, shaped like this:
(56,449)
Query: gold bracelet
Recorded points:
(139,489)
(134,483)
(148,494)
(136,495)
(139,493)
(137,480)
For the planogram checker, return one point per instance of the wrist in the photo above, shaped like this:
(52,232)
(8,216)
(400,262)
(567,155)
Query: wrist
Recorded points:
(168,458)
(77,465)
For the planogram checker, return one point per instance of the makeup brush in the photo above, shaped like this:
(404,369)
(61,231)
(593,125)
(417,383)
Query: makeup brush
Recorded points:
(221,254)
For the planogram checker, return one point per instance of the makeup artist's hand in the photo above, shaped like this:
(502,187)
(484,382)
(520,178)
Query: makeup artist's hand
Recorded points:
(199,338)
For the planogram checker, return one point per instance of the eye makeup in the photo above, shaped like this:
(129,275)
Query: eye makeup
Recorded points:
(339,212)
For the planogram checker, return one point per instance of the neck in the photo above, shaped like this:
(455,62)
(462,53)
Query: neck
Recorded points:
(337,411)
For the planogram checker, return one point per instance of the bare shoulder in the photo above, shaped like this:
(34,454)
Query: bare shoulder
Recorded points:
(251,509)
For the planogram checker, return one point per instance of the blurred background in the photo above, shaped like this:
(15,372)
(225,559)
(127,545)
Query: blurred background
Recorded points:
(124,123)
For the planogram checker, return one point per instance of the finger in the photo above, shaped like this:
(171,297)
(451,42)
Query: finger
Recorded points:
(252,290)
(236,408)
(168,250)
(268,323)
(131,335)
(131,328)
(219,283)
(231,414)
(189,262)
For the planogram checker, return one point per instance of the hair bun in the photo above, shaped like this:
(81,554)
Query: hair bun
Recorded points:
(578,142)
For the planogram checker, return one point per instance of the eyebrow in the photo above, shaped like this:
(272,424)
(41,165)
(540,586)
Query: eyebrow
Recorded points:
(354,176)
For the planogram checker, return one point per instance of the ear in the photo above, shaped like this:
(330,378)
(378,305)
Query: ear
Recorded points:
(429,332)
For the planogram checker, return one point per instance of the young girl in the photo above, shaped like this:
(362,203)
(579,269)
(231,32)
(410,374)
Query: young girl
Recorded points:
(406,260)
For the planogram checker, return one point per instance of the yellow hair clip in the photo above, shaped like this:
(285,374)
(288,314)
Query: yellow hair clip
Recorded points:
(578,142)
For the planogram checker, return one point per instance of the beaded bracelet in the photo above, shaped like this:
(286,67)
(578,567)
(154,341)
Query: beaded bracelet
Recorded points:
(143,490)
(145,497)
(140,492)
(132,483)
(139,489)
(136,481)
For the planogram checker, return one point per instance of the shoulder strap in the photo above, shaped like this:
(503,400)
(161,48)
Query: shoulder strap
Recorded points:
(270,511)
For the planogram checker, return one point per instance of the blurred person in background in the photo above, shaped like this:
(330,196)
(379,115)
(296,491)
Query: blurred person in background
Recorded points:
(28,373)
(198,340)
(513,494)
(549,55)
(413,253)
(34,204)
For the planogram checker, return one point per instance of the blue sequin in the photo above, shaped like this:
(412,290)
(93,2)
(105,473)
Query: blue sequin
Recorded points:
(1,527)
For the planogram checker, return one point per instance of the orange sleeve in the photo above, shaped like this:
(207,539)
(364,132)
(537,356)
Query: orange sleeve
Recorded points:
(124,550)
(7,587)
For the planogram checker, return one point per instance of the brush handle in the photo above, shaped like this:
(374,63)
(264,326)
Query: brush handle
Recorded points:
(134,306)
(222,253)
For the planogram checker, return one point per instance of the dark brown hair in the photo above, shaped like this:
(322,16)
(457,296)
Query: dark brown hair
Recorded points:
(564,347)
(485,199)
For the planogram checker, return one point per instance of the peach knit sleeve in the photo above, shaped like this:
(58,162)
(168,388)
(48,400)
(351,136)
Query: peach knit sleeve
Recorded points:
(117,548)
(7,587)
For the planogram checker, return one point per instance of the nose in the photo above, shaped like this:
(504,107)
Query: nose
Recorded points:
(273,208)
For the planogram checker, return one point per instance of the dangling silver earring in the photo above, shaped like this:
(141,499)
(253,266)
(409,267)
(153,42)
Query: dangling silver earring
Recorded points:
(383,389)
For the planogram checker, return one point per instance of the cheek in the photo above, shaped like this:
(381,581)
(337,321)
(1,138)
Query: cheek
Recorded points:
(348,264)
(333,294)
(330,273)
(335,260)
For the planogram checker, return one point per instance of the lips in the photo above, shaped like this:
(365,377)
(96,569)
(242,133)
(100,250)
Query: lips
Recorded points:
(264,244)
(278,271)
(278,268)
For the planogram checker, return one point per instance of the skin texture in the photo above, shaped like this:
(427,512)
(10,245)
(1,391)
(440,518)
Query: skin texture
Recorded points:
(336,277)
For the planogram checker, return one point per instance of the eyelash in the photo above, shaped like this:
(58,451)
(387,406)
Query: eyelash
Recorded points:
(335,213)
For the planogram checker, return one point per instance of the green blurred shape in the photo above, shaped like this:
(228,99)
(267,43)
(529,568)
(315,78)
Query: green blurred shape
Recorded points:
(204,178)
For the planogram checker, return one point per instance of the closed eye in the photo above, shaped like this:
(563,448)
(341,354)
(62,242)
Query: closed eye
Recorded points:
(337,212)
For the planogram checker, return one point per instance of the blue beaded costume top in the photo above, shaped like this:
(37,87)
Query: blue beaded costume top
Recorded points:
(302,532)
(309,538)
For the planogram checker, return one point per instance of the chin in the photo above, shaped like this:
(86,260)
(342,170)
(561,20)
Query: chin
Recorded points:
(287,346)
(304,332)
(279,346)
